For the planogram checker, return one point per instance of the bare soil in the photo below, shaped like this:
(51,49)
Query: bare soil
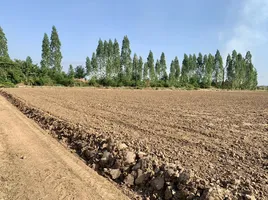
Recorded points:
(35,166)
(221,136)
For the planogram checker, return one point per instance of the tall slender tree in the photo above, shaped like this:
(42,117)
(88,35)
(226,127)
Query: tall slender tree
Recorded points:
(163,66)
(218,69)
(150,63)
(126,59)
(55,50)
(250,72)
(200,68)
(229,70)
(209,64)
(255,79)
(193,71)
(203,80)
(145,71)
(45,62)
(190,66)
(239,71)
(233,68)
(157,69)
(177,68)
(105,49)
(94,65)
(88,66)
(185,70)
(116,59)
(140,68)
(109,59)
(135,66)
(172,73)
(3,44)
(100,59)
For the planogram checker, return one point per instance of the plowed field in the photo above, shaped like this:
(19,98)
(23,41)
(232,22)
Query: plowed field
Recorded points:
(221,136)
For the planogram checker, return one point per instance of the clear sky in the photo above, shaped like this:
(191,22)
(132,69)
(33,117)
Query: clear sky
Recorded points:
(172,26)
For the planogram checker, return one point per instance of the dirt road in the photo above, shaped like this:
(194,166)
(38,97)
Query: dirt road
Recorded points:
(35,166)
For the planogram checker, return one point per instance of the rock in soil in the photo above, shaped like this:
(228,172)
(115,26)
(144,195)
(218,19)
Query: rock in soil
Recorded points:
(129,180)
(130,157)
(115,173)
(158,183)
(216,193)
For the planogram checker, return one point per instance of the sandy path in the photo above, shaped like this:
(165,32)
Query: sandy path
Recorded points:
(35,166)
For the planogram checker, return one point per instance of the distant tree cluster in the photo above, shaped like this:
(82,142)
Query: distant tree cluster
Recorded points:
(111,66)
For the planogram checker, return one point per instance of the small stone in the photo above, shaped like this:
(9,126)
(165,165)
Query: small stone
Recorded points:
(216,193)
(168,193)
(141,154)
(105,158)
(105,170)
(129,180)
(235,181)
(106,155)
(249,197)
(130,157)
(137,166)
(158,183)
(117,164)
(170,172)
(104,146)
(140,177)
(95,166)
(122,146)
(186,176)
(89,154)
(115,173)
(22,157)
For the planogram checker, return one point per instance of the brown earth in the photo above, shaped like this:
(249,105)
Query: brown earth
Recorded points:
(221,136)
(35,166)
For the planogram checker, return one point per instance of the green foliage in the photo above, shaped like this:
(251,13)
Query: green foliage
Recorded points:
(218,70)
(3,44)
(71,72)
(88,66)
(6,85)
(150,65)
(10,71)
(45,62)
(200,68)
(172,79)
(100,59)
(116,59)
(163,67)
(110,67)
(145,71)
(185,70)
(207,78)
(135,66)
(55,50)
(139,69)
(94,65)
(126,71)
(80,72)
(177,69)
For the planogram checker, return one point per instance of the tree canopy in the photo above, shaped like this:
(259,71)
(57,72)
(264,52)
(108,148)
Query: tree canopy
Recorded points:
(110,66)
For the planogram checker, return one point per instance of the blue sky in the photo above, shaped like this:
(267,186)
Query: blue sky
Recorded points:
(172,26)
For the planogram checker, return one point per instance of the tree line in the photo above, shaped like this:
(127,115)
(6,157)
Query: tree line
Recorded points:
(111,65)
